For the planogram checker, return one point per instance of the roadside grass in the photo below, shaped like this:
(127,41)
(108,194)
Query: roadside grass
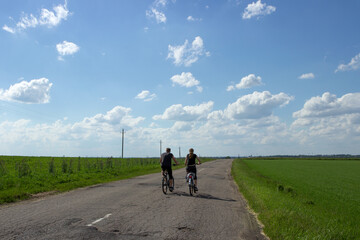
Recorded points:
(23,177)
(302,198)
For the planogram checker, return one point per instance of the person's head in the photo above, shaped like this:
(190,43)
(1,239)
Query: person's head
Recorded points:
(191,152)
(168,150)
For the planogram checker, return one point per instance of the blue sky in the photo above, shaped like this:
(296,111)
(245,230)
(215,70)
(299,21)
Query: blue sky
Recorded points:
(223,77)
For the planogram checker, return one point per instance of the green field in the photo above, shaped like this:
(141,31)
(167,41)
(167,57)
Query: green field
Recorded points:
(22,177)
(303,198)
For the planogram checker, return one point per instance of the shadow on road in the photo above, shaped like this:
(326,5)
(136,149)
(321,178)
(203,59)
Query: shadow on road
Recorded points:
(202,195)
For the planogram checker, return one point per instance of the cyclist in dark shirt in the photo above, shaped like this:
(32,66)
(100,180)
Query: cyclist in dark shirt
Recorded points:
(191,165)
(165,161)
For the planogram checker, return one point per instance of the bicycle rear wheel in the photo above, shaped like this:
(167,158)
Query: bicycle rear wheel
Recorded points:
(191,187)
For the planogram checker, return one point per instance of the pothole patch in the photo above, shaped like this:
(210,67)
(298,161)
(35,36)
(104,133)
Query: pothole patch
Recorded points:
(184,228)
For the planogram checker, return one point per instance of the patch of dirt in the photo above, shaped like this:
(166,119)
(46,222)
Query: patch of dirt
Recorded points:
(43,194)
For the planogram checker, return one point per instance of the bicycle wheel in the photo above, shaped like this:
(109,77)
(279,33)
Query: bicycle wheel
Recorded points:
(164,185)
(191,187)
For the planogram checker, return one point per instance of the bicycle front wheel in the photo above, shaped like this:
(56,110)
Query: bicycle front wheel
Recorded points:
(164,185)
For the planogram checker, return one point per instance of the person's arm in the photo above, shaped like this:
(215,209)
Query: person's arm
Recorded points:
(160,160)
(174,160)
(186,160)
(198,159)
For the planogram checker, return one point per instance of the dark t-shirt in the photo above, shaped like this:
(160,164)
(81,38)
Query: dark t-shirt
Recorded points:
(191,161)
(166,159)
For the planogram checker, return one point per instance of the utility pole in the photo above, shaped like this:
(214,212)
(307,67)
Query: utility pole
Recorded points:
(179,152)
(122,143)
(160,148)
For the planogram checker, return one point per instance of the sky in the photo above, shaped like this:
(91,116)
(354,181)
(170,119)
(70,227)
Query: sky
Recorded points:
(225,77)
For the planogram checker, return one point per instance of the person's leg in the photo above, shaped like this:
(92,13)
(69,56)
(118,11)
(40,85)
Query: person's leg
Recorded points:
(170,177)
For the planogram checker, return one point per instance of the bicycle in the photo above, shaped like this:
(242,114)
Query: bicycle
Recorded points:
(165,182)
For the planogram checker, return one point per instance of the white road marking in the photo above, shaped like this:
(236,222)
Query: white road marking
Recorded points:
(100,219)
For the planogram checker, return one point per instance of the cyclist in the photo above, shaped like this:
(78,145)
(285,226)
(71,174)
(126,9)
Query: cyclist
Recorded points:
(190,164)
(165,161)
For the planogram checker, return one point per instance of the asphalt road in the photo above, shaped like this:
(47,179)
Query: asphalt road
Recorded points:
(137,209)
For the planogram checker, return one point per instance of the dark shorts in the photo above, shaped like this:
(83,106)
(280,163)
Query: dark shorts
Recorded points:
(169,170)
(191,169)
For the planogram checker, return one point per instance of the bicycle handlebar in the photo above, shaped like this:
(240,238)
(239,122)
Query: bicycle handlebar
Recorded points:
(193,165)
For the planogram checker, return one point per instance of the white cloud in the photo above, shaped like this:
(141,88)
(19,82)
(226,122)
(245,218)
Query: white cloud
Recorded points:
(182,126)
(118,116)
(35,91)
(27,21)
(146,96)
(92,136)
(354,64)
(246,82)
(194,126)
(50,18)
(178,112)
(307,76)
(256,105)
(154,13)
(230,88)
(192,19)
(187,54)
(199,88)
(257,9)
(254,131)
(47,18)
(8,29)
(67,48)
(329,122)
(160,3)
(329,105)
(186,79)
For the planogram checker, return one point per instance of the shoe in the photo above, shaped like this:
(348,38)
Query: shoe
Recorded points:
(195,188)
(171,189)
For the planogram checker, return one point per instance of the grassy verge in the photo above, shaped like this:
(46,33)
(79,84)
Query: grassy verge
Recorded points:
(302,199)
(22,177)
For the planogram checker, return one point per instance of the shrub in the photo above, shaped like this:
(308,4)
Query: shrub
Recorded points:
(52,166)
(23,168)
(109,162)
(79,165)
(70,168)
(3,170)
(64,166)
